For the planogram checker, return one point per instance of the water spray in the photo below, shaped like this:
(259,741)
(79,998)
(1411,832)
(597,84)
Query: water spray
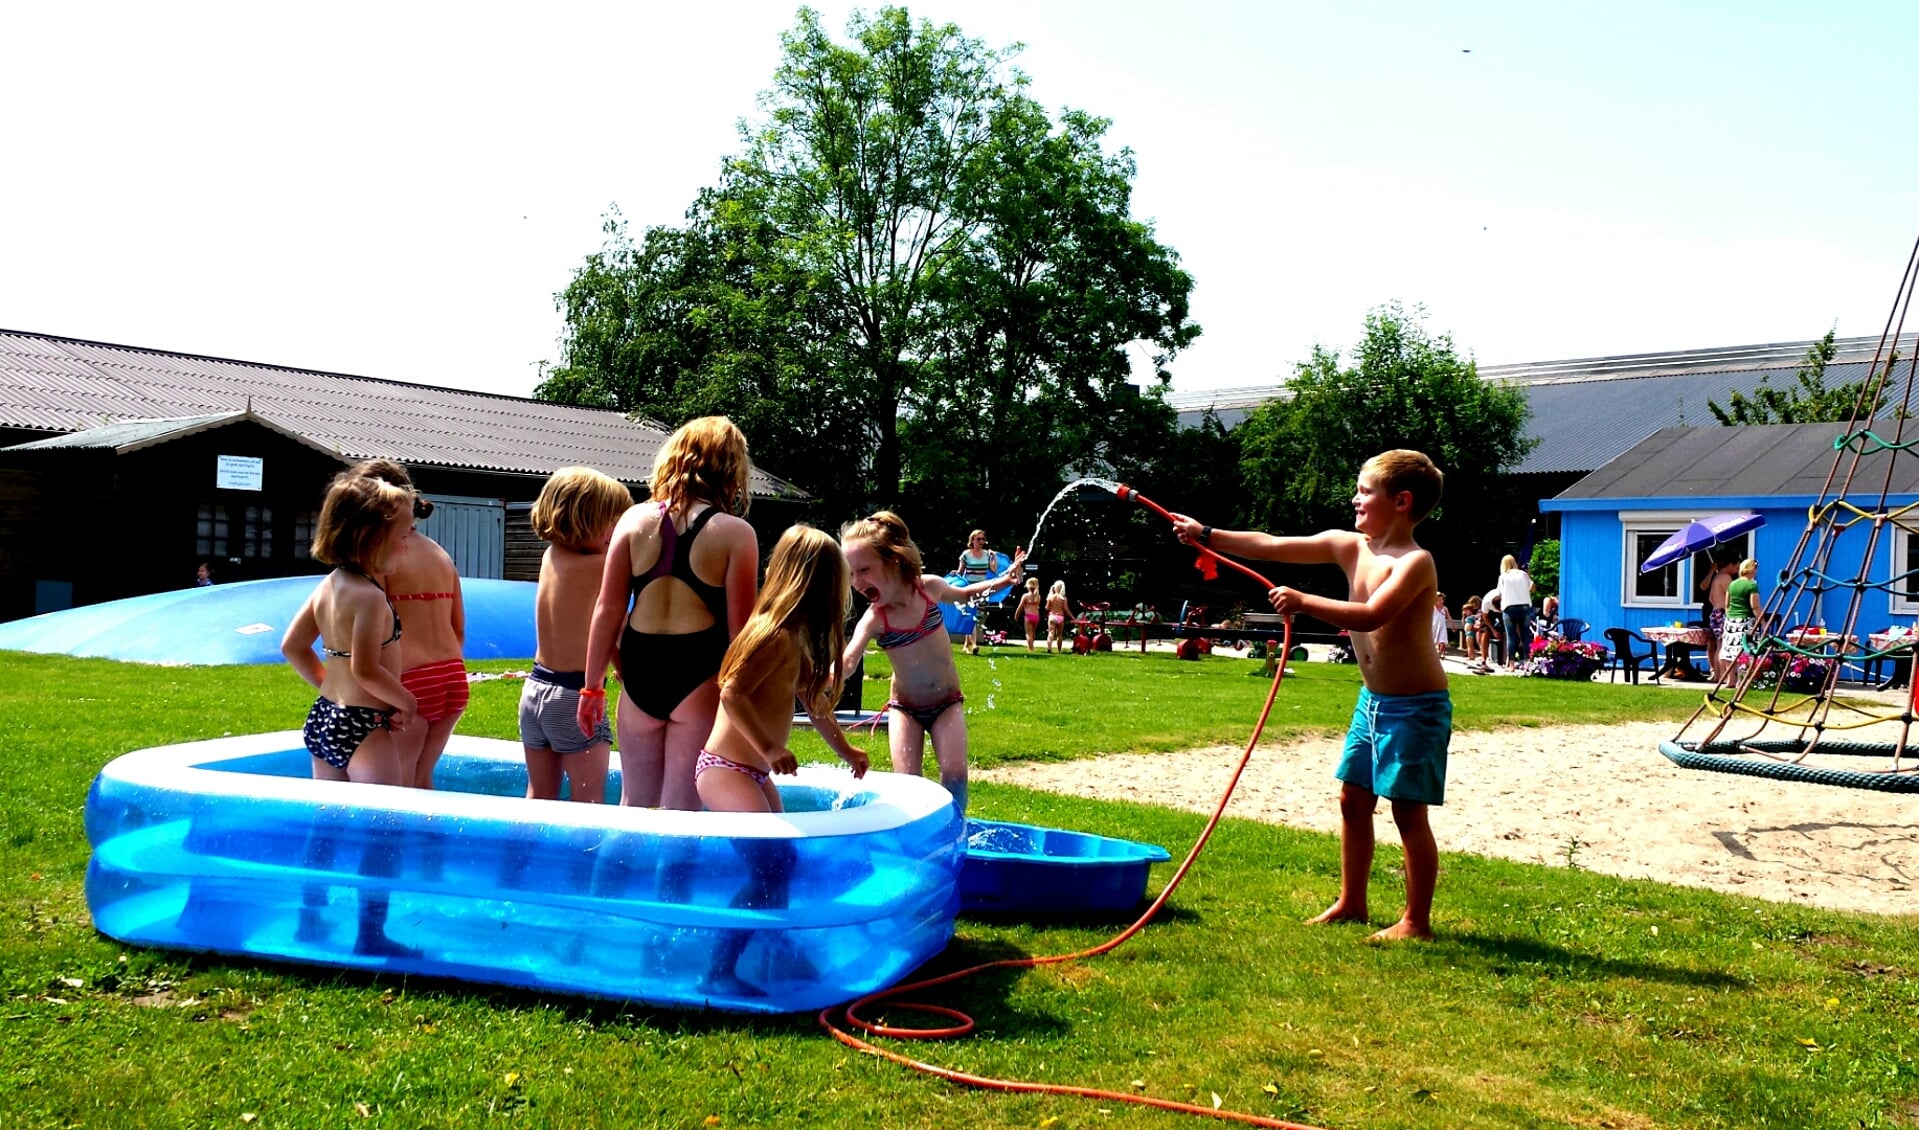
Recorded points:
(842,1020)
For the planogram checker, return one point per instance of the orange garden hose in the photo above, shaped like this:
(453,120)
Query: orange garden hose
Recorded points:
(831,1019)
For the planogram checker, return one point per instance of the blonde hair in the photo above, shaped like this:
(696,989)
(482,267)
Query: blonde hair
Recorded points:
(1508,563)
(1032,585)
(576,506)
(704,461)
(804,594)
(886,532)
(388,471)
(353,518)
(1749,568)
(1059,589)
(1403,469)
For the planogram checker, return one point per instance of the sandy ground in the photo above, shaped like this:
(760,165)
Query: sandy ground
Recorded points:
(1527,794)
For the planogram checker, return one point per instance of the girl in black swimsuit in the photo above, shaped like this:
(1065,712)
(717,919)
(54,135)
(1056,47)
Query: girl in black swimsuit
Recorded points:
(679,583)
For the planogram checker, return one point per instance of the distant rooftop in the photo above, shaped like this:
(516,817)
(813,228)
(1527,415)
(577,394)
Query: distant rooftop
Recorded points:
(60,386)
(1587,410)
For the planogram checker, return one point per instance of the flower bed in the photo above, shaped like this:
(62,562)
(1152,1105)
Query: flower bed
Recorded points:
(1801,674)
(1566,659)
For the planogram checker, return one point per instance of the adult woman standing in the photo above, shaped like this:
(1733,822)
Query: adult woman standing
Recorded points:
(679,584)
(975,564)
(1516,606)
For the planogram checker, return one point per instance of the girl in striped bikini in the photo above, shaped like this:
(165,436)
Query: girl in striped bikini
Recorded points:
(904,620)
(426,589)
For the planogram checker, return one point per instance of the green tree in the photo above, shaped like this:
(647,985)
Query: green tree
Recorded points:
(1807,400)
(1300,455)
(910,285)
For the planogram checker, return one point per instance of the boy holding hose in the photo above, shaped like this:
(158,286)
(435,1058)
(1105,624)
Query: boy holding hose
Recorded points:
(1396,744)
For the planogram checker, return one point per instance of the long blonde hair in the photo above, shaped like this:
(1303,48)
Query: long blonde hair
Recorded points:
(886,532)
(805,594)
(704,461)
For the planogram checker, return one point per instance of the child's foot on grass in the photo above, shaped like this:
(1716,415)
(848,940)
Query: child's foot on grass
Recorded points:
(1338,912)
(1403,931)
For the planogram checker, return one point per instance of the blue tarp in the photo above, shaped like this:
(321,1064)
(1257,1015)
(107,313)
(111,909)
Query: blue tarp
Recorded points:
(243,623)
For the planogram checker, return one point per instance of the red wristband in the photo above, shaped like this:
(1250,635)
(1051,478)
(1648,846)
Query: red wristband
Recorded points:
(590,692)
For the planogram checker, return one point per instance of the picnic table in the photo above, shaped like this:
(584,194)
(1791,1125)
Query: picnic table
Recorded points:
(1679,644)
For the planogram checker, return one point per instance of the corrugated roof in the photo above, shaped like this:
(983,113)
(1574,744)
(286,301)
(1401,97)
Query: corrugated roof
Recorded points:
(1586,411)
(124,436)
(66,385)
(1772,460)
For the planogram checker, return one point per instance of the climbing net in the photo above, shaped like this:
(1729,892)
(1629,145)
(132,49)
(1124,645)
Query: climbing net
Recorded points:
(1780,711)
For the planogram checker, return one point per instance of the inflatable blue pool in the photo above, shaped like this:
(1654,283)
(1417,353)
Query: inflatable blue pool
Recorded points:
(243,623)
(229,846)
(959,618)
(1023,868)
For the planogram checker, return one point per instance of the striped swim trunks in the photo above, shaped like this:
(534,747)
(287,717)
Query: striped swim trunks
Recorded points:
(549,713)
(439,687)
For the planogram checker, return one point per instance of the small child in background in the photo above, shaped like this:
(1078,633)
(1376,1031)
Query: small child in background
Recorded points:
(576,513)
(1027,613)
(1057,611)
(1469,629)
(789,648)
(1440,622)
(903,618)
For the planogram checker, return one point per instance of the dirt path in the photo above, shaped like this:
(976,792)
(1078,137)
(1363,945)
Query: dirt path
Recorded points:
(1527,794)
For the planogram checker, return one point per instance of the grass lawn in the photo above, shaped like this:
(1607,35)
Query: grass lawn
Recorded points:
(1555,997)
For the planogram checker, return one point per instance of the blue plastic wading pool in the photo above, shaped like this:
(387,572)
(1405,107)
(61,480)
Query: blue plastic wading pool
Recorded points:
(1020,867)
(230,846)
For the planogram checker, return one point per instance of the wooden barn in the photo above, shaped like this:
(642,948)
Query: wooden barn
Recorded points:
(122,469)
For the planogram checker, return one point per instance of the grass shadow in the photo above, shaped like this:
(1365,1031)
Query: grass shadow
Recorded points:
(1498,952)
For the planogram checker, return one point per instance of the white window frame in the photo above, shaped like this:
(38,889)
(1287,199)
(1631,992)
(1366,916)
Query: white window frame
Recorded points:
(1664,523)
(1901,561)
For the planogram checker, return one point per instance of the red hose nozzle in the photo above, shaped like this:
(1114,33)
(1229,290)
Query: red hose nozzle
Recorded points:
(1126,493)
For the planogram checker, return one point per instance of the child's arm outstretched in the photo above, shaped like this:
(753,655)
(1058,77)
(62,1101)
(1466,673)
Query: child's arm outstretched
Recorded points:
(863,633)
(939,588)
(1329,547)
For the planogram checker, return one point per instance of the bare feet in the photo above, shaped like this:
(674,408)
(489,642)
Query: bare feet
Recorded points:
(1403,931)
(1337,913)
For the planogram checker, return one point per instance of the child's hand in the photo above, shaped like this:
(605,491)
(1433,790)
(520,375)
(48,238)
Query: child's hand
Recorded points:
(1284,599)
(781,760)
(590,712)
(855,757)
(403,715)
(1187,529)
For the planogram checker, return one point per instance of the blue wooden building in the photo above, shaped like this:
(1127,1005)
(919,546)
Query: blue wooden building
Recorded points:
(1611,520)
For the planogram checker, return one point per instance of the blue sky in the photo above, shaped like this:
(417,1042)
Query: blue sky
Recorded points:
(399,190)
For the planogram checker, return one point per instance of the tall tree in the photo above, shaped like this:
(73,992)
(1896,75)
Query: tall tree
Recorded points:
(906,249)
(1806,401)
(1300,456)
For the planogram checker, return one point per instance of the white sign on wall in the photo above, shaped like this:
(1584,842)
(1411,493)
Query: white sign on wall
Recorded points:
(239,472)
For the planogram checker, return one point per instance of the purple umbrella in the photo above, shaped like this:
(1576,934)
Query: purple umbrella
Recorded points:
(1701,533)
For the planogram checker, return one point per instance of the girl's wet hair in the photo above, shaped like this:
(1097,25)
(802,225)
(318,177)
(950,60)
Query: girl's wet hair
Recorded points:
(805,594)
(354,517)
(886,533)
(387,471)
(577,506)
(704,461)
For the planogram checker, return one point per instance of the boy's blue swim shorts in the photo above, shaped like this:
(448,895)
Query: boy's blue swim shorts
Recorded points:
(1396,746)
